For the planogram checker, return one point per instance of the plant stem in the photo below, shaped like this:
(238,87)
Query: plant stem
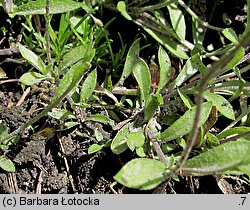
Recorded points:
(214,71)
(205,24)
(155,7)
(234,138)
(155,143)
(47,33)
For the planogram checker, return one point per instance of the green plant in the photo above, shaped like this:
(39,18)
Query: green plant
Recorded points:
(145,173)
(79,60)
(170,116)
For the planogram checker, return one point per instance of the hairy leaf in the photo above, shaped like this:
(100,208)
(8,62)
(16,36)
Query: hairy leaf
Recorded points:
(119,143)
(131,60)
(32,58)
(187,71)
(135,139)
(141,173)
(31,78)
(82,53)
(226,157)
(165,68)
(184,124)
(6,164)
(177,20)
(38,7)
(233,131)
(143,78)
(223,106)
(88,86)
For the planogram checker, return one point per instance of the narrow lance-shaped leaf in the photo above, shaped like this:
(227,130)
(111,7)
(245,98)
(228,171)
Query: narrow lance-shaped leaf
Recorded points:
(187,71)
(38,7)
(184,124)
(70,79)
(68,82)
(141,173)
(233,131)
(131,60)
(31,78)
(99,118)
(32,58)
(88,86)
(235,60)
(167,42)
(230,34)
(165,68)
(177,20)
(143,78)
(80,53)
(150,108)
(223,106)
(226,157)
(197,63)
(119,143)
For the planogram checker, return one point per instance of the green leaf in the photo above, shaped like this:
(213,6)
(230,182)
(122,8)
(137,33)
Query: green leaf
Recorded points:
(75,21)
(233,131)
(141,152)
(235,60)
(121,7)
(31,78)
(197,63)
(143,78)
(177,20)
(94,148)
(150,108)
(74,75)
(212,140)
(184,124)
(168,43)
(83,53)
(38,7)
(245,169)
(141,173)
(3,130)
(223,106)
(187,71)
(119,143)
(70,124)
(230,34)
(70,79)
(131,60)
(135,139)
(6,164)
(32,58)
(226,157)
(186,100)
(197,32)
(61,114)
(88,86)
(165,69)
(100,118)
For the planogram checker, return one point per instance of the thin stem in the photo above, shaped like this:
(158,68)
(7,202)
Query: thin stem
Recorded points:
(205,24)
(235,138)
(214,71)
(47,33)
(146,20)
(155,7)
(246,112)
(155,143)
